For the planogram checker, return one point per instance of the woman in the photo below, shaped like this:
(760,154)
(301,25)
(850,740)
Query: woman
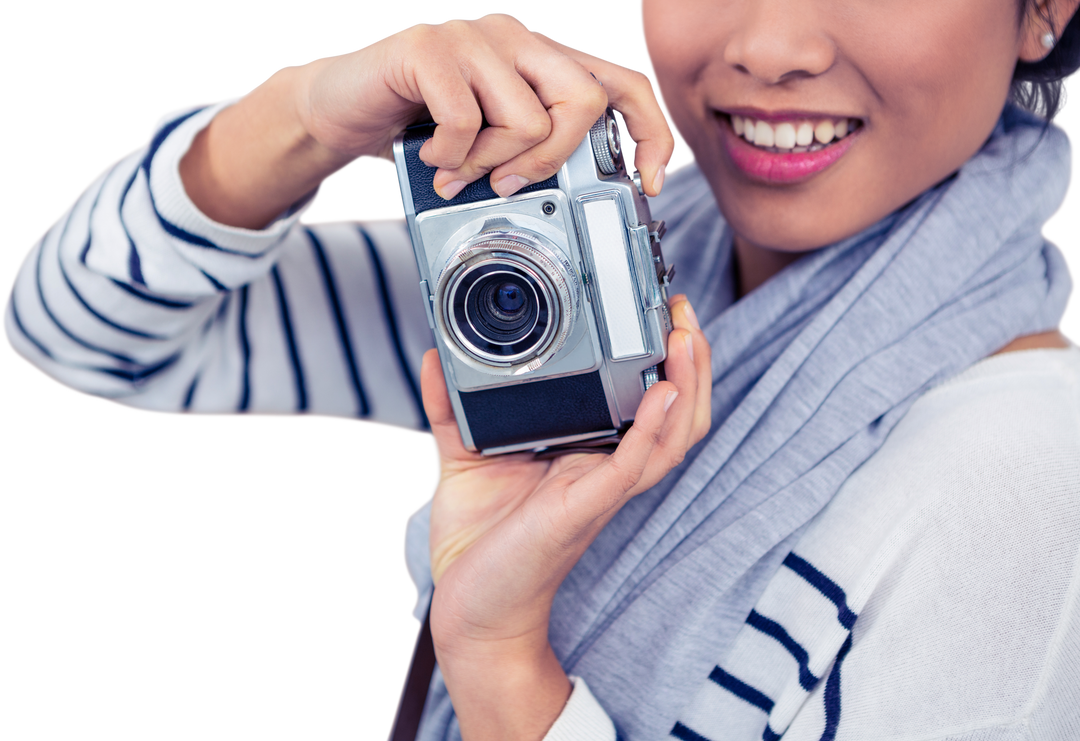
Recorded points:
(822,507)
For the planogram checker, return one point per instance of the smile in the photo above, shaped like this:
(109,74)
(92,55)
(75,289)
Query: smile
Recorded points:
(786,151)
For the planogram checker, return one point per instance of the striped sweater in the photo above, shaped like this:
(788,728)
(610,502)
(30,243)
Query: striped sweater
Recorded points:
(935,597)
(137,296)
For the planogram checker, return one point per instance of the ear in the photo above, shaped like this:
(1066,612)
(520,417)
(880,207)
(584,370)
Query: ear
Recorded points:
(1043,17)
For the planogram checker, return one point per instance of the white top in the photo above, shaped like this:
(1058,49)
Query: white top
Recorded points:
(956,545)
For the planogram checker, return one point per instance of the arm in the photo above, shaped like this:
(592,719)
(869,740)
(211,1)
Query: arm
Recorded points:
(167,292)
(137,295)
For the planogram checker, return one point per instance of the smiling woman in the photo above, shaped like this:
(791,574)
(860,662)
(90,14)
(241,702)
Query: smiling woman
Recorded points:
(836,515)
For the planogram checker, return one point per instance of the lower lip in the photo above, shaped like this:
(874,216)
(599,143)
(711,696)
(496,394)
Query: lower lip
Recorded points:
(781,168)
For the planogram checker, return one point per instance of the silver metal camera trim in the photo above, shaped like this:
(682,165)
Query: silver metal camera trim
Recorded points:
(521,247)
(604,274)
(584,351)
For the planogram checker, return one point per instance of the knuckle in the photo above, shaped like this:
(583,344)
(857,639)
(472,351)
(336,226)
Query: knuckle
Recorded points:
(462,123)
(594,99)
(546,163)
(624,475)
(500,20)
(536,128)
(638,82)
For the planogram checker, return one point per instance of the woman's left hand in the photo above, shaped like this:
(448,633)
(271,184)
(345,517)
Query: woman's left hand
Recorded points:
(506,530)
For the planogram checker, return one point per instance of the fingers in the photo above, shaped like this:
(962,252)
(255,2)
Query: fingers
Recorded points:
(574,100)
(439,411)
(464,79)
(674,415)
(539,99)
(631,94)
(683,317)
(539,103)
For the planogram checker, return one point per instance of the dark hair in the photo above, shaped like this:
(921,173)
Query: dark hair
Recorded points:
(1040,86)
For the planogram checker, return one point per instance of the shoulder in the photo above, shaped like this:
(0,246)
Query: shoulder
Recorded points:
(958,544)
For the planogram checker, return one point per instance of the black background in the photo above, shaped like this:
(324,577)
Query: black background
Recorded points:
(170,571)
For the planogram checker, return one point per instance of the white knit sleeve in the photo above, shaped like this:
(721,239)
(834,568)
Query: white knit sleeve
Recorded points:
(137,295)
(583,719)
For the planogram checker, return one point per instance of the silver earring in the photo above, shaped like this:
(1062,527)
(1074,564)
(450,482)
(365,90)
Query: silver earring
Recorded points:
(1048,41)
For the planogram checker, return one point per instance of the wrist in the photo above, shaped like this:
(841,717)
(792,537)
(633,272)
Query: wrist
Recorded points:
(505,689)
(256,158)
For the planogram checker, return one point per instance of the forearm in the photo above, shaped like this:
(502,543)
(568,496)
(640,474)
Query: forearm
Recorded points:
(500,692)
(257,158)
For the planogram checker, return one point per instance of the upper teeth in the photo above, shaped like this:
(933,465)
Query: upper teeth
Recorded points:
(792,134)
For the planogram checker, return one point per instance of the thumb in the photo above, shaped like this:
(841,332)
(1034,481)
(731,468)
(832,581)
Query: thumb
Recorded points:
(440,412)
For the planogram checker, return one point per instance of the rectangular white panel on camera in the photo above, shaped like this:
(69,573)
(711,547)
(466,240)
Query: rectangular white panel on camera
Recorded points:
(611,261)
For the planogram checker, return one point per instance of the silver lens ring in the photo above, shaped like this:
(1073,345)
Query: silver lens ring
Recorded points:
(486,343)
(506,252)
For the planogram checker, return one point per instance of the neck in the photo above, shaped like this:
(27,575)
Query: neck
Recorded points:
(754,265)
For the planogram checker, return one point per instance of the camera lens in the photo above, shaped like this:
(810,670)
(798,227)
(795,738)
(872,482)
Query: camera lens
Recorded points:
(502,307)
(506,300)
(501,310)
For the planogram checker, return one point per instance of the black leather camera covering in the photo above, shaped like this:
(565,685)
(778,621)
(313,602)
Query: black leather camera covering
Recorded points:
(422,177)
(541,410)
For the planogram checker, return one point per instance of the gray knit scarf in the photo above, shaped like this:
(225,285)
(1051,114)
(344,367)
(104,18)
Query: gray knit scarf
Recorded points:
(811,371)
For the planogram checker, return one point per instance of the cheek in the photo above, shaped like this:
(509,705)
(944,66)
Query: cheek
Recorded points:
(940,70)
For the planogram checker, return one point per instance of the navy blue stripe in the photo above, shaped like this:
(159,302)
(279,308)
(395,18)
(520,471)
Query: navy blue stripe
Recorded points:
(134,262)
(25,333)
(245,352)
(163,134)
(832,694)
(769,734)
(134,265)
(139,375)
(101,317)
(56,321)
(223,308)
(685,734)
(741,690)
(151,299)
(339,317)
(90,215)
(169,227)
(391,323)
(190,395)
(825,585)
(136,375)
(775,630)
(290,338)
(214,282)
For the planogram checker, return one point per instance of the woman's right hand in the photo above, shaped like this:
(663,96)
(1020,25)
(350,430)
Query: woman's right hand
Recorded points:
(538,98)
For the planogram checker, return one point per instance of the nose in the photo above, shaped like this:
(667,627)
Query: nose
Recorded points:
(775,41)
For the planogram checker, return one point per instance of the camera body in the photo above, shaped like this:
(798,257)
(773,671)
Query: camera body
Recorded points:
(549,308)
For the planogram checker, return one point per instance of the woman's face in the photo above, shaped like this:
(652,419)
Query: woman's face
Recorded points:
(919,85)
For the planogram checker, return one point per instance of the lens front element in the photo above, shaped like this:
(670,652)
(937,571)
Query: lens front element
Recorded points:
(501,309)
(506,300)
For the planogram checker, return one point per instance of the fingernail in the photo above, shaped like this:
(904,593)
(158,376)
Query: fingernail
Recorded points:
(671,396)
(510,185)
(690,347)
(691,316)
(451,189)
(658,181)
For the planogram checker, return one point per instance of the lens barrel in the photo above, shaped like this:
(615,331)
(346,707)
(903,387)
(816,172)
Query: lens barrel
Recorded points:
(506,300)
(500,309)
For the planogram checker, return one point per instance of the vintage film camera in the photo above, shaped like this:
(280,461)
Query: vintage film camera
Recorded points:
(549,308)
